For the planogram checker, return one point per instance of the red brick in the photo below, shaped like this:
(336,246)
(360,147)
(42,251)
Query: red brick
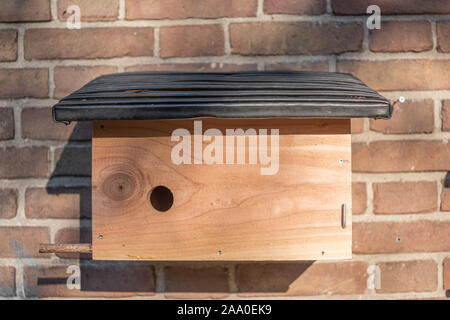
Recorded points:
(391,7)
(402,36)
(408,276)
(97,279)
(305,66)
(74,235)
(7,281)
(6,123)
(8,45)
(446,115)
(23,242)
(196,282)
(400,74)
(199,67)
(72,161)
(70,79)
(88,43)
(25,10)
(447,274)
(191,41)
(8,203)
(295,6)
(105,10)
(23,83)
(443,34)
(359,198)
(401,237)
(357,125)
(300,279)
(401,156)
(408,117)
(38,124)
(404,197)
(445,199)
(291,38)
(24,162)
(64,203)
(182,9)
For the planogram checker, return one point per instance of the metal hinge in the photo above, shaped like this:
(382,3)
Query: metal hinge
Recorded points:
(343,215)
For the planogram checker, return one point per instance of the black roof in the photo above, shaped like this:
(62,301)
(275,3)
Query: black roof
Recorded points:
(264,94)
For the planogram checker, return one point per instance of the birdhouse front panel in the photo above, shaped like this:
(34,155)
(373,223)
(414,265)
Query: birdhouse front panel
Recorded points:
(185,190)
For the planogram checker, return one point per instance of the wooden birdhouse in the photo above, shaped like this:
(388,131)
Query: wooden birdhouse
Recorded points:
(221,166)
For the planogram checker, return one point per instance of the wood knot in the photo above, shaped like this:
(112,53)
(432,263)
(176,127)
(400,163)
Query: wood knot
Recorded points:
(119,186)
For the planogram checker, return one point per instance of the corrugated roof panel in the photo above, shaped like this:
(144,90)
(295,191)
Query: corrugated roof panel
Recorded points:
(174,95)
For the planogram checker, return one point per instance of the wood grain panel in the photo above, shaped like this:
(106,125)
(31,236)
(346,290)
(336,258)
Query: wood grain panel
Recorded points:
(221,211)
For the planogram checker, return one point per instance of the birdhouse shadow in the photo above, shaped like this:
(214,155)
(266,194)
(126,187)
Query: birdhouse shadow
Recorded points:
(71,180)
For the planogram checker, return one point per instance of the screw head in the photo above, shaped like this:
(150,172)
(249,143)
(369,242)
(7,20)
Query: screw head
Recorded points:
(100,236)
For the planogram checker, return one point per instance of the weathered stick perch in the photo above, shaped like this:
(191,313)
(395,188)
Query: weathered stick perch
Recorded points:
(65,248)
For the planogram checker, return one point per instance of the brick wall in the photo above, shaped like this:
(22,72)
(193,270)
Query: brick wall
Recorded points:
(401,209)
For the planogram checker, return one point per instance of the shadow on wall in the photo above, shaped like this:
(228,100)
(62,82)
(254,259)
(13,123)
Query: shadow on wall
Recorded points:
(78,275)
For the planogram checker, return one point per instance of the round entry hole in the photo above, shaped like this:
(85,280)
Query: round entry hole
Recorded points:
(161,198)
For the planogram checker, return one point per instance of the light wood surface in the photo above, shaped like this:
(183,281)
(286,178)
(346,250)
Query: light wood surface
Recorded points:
(221,211)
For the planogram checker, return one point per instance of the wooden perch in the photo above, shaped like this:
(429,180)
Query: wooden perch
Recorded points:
(65,248)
